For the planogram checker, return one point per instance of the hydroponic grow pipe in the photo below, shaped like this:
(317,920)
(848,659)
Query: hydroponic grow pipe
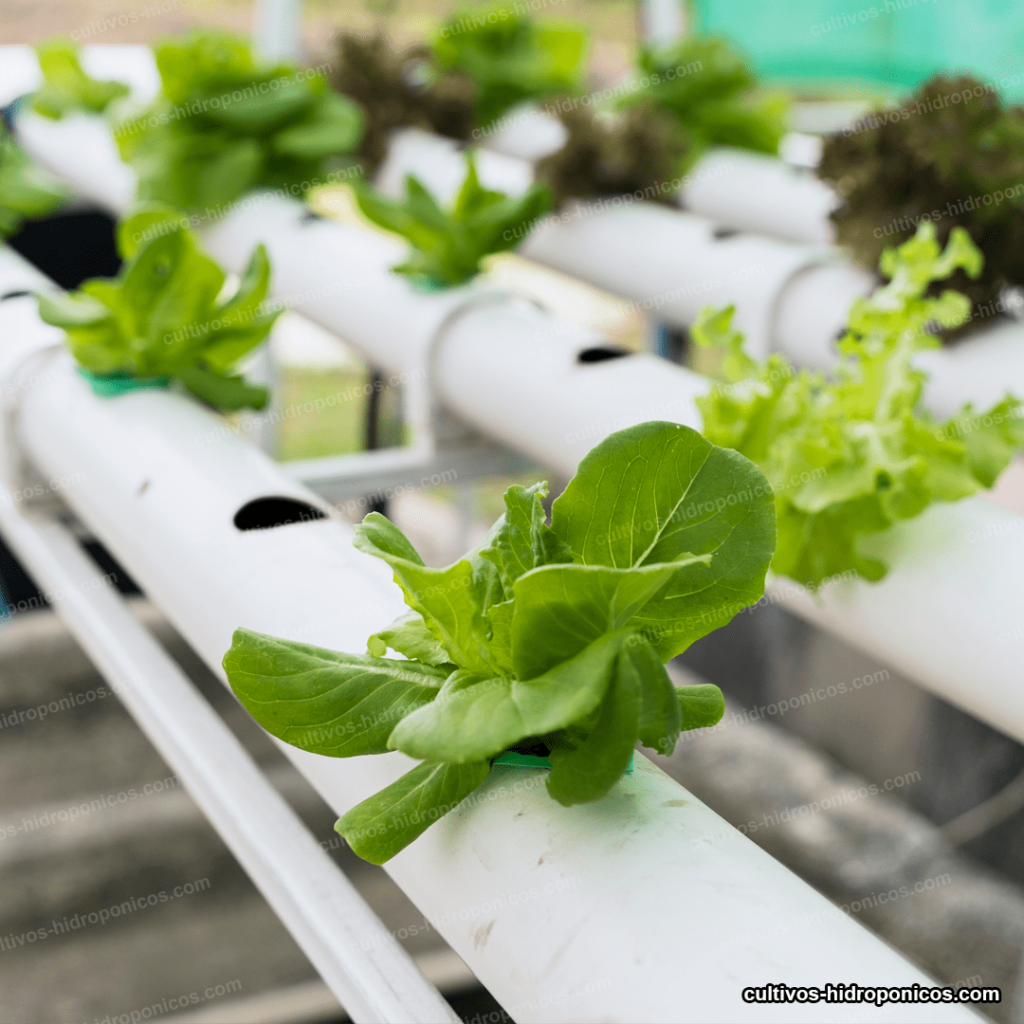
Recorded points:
(365,967)
(644,906)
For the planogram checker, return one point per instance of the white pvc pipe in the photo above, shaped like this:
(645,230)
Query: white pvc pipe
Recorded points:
(564,914)
(80,150)
(526,132)
(793,299)
(736,188)
(980,368)
(668,263)
(759,193)
(949,614)
(733,187)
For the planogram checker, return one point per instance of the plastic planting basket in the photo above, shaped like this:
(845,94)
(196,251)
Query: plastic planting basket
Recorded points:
(513,759)
(108,385)
(895,44)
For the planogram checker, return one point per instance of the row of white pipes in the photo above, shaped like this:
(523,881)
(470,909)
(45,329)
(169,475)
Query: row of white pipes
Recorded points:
(643,906)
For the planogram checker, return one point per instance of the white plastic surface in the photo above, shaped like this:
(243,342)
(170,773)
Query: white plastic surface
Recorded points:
(755,192)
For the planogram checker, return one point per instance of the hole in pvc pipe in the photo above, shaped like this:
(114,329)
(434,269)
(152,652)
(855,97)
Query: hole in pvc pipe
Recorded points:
(601,353)
(310,217)
(719,233)
(14,295)
(266,513)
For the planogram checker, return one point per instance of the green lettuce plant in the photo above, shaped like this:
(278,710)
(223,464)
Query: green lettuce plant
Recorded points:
(712,95)
(449,245)
(66,87)
(547,638)
(163,315)
(26,191)
(224,124)
(952,154)
(509,57)
(851,453)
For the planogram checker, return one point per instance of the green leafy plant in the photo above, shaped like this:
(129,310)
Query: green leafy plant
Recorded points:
(385,82)
(638,151)
(66,87)
(712,95)
(448,246)
(544,639)
(224,124)
(509,57)
(952,155)
(163,315)
(26,191)
(849,455)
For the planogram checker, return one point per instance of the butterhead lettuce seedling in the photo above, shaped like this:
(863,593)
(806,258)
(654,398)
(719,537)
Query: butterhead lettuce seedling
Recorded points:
(225,124)
(163,316)
(509,57)
(449,245)
(713,96)
(66,88)
(549,637)
(849,455)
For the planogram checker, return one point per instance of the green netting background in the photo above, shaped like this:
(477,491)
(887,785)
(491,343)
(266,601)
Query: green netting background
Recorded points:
(892,44)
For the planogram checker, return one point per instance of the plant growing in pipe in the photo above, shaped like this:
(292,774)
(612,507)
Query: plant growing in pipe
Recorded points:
(713,96)
(163,318)
(449,245)
(508,57)
(26,191)
(683,99)
(67,89)
(850,454)
(547,638)
(225,124)
(951,155)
